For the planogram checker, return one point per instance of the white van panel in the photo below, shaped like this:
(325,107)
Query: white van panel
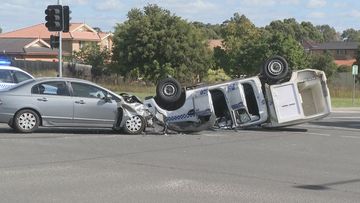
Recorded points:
(287,102)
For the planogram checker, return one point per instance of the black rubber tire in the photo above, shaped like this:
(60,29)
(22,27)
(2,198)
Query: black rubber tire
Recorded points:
(168,90)
(26,121)
(275,70)
(134,125)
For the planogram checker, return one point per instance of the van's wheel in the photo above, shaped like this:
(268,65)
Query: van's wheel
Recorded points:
(168,90)
(26,121)
(275,70)
(134,125)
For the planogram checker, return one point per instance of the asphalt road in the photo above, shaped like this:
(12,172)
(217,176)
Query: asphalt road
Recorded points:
(315,162)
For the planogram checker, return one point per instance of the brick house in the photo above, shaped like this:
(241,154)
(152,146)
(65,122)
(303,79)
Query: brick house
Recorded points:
(344,53)
(37,39)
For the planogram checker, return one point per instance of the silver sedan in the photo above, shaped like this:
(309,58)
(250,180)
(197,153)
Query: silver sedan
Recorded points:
(69,102)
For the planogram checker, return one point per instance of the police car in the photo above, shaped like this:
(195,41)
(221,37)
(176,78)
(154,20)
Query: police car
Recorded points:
(10,75)
(276,97)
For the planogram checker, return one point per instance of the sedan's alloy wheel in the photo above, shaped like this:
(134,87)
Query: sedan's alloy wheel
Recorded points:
(27,121)
(134,124)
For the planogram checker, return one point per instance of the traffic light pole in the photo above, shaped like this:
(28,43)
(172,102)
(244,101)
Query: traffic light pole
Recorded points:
(60,47)
(60,54)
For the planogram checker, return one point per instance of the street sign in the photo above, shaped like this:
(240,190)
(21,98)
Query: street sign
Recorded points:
(355,69)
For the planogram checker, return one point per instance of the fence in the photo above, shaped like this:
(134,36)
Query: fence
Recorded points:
(52,68)
(342,85)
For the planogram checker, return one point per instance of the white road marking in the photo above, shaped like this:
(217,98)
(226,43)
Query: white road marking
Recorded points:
(327,127)
(343,117)
(348,136)
(321,134)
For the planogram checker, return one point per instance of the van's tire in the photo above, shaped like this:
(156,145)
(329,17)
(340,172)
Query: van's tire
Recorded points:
(275,70)
(168,90)
(26,121)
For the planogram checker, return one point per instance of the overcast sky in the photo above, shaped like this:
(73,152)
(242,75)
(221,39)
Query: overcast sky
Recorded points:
(15,14)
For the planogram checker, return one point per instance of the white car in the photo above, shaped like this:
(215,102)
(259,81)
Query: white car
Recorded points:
(10,75)
(276,97)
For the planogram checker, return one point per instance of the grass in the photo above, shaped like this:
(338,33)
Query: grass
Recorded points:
(140,91)
(345,102)
(342,97)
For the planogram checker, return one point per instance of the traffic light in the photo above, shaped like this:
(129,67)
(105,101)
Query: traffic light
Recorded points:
(54,41)
(67,18)
(54,18)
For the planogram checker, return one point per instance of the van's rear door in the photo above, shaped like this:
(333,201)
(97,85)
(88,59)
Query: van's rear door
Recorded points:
(287,102)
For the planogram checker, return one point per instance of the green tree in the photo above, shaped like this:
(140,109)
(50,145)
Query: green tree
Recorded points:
(286,46)
(210,31)
(0,30)
(154,43)
(324,62)
(93,55)
(247,47)
(240,55)
(329,33)
(351,35)
(298,31)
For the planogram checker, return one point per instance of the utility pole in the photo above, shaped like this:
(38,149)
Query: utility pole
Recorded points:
(60,44)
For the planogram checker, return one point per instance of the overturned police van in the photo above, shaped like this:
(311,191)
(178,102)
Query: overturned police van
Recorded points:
(276,97)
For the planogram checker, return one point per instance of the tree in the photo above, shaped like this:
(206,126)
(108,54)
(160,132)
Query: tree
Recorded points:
(154,43)
(93,55)
(286,46)
(329,33)
(324,62)
(240,55)
(247,47)
(0,30)
(351,35)
(210,31)
(298,31)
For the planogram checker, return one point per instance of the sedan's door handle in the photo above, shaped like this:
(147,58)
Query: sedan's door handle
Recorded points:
(80,102)
(44,99)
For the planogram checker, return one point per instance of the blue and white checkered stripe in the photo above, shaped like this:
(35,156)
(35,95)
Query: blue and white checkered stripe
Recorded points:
(3,86)
(178,117)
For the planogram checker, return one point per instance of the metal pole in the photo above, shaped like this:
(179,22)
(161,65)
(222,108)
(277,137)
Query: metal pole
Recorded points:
(60,54)
(60,48)
(353,98)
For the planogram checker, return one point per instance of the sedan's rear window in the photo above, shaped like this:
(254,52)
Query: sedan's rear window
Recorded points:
(51,88)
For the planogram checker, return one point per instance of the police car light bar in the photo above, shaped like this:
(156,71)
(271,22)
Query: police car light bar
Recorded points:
(5,62)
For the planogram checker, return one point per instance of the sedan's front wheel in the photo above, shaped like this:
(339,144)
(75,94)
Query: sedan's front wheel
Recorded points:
(26,121)
(134,125)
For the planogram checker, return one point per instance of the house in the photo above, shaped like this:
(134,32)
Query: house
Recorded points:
(78,36)
(344,53)
(27,49)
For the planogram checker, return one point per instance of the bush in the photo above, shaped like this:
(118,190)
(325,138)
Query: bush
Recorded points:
(343,69)
(214,76)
